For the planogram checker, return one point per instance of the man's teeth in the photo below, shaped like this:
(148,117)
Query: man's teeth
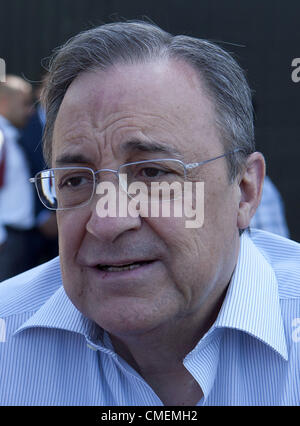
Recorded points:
(119,268)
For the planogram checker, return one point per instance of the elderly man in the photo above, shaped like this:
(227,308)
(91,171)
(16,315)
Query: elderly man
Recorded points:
(141,309)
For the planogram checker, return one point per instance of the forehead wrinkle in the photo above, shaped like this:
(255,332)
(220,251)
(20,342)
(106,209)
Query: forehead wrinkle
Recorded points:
(128,119)
(138,145)
(136,129)
(76,142)
(71,125)
(126,131)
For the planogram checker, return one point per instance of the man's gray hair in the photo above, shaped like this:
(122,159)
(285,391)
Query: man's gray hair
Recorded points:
(137,42)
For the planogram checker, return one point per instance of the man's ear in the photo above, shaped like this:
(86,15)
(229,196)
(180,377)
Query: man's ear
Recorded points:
(251,184)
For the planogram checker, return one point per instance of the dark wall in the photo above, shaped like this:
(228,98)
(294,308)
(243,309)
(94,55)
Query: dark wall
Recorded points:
(264,36)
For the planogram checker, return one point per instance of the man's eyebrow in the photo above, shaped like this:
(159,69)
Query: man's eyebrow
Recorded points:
(71,159)
(136,145)
(131,146)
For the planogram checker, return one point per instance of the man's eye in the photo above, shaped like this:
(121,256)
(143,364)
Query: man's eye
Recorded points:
(152,172)
(74,182)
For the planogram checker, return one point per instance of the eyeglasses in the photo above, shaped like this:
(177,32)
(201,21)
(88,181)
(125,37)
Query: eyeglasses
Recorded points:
(156,180)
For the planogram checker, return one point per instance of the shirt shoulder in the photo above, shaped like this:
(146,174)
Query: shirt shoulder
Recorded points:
(283,255)
(28,291)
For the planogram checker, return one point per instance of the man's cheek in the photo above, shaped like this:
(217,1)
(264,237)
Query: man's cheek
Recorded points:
(70,235)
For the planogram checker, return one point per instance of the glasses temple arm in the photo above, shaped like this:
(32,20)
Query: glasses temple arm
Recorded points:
(193,165)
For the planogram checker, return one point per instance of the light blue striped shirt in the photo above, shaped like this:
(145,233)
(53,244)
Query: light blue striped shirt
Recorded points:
(50,354)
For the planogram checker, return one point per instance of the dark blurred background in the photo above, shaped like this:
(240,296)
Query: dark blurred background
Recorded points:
(263,35)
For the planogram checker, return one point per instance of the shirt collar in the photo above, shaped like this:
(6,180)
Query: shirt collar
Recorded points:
(252,300)
(60,313)
(251,305)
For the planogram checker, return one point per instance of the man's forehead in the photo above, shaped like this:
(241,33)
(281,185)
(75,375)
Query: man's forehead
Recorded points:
(145,82)
(155,98)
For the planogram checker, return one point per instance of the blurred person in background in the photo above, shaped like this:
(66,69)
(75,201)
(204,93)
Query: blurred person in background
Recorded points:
(16,193)
(44,245)
(270,214)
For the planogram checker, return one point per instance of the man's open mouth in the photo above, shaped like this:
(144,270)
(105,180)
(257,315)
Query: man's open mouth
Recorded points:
(125,267)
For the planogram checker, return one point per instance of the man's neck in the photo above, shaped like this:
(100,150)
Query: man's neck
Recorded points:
(161,366)
(158,356)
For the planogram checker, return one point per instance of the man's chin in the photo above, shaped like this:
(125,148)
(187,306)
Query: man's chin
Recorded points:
(121,315)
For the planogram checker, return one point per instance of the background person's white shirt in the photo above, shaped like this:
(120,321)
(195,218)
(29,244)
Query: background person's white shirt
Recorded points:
(16,195)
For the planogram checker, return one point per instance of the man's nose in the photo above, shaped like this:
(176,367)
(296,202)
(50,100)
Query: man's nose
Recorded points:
(111,217)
